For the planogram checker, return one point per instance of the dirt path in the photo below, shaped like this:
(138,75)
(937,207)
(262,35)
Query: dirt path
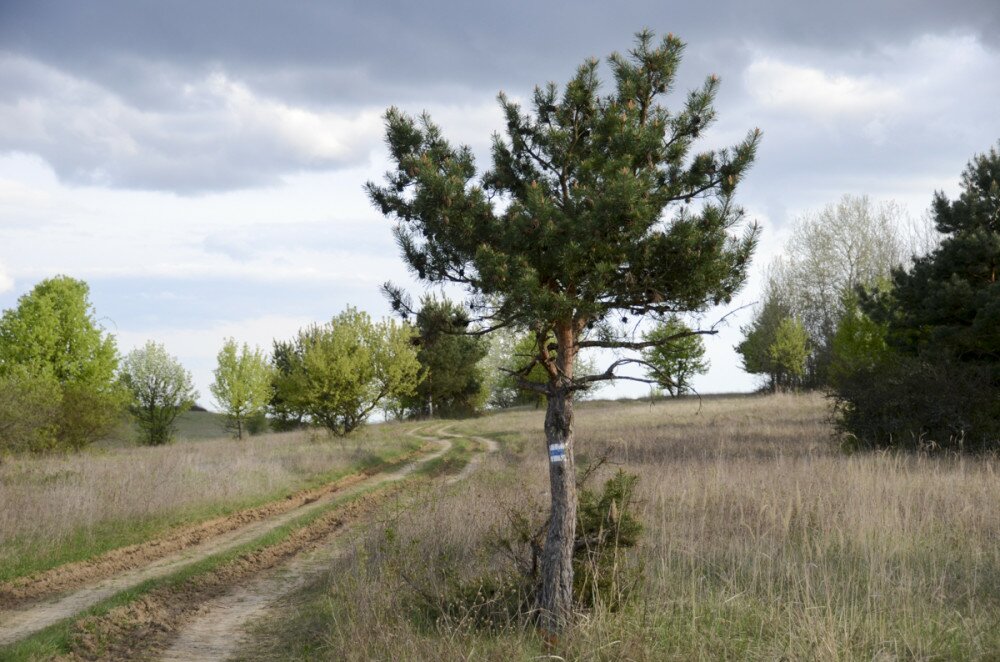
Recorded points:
(491,447)
(219,627)
(18,623)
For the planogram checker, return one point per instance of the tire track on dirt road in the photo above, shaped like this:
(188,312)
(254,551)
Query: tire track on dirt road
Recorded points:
(22,622)
(219,627)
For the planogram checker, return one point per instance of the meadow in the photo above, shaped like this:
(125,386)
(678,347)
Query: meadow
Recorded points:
(763,540)
(66,507)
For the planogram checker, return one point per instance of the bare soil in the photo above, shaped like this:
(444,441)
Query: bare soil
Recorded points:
(217,628)
(28,605)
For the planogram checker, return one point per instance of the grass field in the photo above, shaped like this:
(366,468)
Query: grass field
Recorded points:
(63,508)
(762,541)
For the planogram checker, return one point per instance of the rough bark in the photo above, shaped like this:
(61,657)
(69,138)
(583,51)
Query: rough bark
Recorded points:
(556,598)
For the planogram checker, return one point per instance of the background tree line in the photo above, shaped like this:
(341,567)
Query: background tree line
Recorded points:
(899,322)
(64,384)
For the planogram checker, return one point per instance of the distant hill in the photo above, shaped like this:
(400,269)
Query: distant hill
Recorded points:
(200,424)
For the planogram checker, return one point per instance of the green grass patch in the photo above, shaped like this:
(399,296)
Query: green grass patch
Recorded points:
(452,461)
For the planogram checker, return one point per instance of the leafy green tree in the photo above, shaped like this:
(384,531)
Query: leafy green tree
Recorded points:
(788,353)
(161,390)
(759,336)
(30,404)
(596,211)
(453,378)
(242,386)
(285,414)
(830,253)
(502,390)
(859,345)
(53,337)
(349,367)
(677,356)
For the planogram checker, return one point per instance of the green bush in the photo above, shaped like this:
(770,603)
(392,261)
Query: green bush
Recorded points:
(919,404)
(606,525)
(29,411)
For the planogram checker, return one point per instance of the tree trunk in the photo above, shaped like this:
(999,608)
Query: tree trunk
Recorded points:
(556,599)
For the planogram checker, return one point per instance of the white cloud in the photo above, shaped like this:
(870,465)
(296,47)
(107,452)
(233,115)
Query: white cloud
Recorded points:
(6,282)
(217,134)
(812,91)
(196,347)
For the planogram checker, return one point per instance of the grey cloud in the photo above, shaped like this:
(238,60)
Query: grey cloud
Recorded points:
(125,114)
(216,134)
(441,42)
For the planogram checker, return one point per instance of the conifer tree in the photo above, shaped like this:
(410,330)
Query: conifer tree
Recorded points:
(453,379)
(949,301)
(938,376)
(595,214)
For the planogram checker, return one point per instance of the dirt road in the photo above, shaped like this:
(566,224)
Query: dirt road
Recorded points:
(21,622)
(219,627)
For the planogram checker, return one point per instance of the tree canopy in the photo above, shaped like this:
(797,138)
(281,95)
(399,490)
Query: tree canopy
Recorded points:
(570,225)
(936,330)
(242,386)
(949,300)
(677,356)
(161,389)
(452,375)
(340,372)
(828,255)
(51,343)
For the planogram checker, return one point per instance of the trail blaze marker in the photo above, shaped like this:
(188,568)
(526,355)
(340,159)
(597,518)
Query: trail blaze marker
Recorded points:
(557,453)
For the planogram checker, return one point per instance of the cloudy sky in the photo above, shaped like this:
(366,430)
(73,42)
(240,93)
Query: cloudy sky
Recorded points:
(201,164)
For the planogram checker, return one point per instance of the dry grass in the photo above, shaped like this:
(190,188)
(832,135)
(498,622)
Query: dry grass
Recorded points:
(67,507)
(763,541)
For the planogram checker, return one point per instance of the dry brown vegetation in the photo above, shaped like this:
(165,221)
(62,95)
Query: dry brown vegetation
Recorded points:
(69,507)
(763,541)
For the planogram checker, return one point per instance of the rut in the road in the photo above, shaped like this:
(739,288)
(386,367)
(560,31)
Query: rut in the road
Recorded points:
(218,628)
(18,623)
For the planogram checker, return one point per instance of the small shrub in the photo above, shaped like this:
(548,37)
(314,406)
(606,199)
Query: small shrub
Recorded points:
(606,525)
(258,423)
(603,576)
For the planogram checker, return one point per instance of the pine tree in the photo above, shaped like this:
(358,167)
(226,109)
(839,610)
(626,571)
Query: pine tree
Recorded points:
(941,325)
(453,379)
(596,213)
(949,301)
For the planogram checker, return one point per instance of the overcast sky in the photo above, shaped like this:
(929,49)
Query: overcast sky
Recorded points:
(201,164)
